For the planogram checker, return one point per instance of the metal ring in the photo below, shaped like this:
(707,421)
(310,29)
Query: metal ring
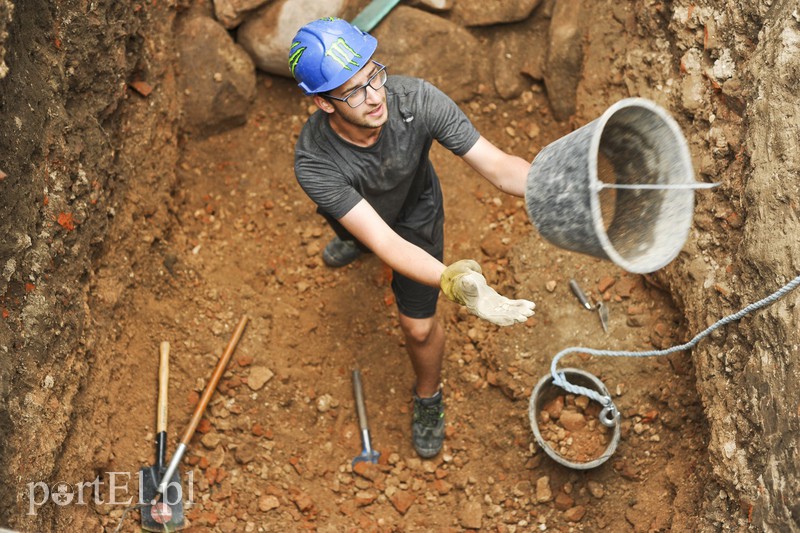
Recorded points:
(609,415)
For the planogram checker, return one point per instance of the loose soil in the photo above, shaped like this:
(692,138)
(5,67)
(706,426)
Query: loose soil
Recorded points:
(236,236)
(274,451)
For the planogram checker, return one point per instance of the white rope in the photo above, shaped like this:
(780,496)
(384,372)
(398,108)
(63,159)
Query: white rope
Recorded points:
(610,414)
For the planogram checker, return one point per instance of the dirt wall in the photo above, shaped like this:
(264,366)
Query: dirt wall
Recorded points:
(72,138)
(75,137)
(744,246)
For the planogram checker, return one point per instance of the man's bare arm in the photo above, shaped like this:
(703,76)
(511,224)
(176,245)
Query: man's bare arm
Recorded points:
(410,260)
(508,173)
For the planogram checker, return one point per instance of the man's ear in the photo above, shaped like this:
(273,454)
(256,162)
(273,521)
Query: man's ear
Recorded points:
(323,104)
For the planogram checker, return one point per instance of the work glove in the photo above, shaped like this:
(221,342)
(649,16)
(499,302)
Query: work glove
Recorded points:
(463,283)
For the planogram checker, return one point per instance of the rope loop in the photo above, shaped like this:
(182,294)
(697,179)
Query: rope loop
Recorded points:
(609,416)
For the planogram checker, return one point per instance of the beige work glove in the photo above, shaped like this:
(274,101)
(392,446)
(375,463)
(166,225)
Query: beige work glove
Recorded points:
(463,283)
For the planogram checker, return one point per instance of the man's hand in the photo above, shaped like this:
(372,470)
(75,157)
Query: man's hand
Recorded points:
(463,283)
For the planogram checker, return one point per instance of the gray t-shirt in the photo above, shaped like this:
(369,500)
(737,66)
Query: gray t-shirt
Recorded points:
(394,175)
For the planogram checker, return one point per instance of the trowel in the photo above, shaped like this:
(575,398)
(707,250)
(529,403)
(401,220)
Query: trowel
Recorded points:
(602,309)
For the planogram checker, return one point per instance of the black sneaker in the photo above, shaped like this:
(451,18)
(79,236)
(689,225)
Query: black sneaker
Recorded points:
(339,253)
(427,427)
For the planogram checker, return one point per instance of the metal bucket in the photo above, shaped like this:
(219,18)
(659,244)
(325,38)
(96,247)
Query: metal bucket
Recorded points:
(619,188)
(545,391)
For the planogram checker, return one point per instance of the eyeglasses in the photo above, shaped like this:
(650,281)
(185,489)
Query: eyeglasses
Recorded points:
(359,95)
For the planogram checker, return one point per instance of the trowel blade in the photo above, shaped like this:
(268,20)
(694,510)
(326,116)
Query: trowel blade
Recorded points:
(602,310)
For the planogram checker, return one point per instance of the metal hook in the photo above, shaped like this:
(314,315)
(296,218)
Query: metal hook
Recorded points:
(609,416)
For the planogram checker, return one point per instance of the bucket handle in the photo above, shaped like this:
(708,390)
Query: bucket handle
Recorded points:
(654,186)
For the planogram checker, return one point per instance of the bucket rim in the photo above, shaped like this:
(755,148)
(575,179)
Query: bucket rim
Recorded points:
(595,184)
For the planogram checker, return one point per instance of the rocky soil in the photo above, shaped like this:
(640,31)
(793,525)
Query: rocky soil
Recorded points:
(144,201)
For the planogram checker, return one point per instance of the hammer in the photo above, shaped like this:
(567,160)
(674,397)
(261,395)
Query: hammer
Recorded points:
(368,455)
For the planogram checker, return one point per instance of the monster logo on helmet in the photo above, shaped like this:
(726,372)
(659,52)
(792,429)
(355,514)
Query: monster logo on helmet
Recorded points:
(327,52)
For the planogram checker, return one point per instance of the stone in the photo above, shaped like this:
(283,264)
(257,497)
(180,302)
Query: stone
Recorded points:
(555,407)
(493,246)
(595,489)
(324,403)
(572,421)
(246,453)
(605,283)
(231,13)
(267,34)
(575,514)
(517,56)
(693,92)
(470,516)
(417,43)
(367,470)
(543,492)
(582,402)
(302,501)
(482,13)
(267,503)
(507,70)
(211,440)
(216,78)
(365,497)
(402,500)
(564,58)
(442,487)
(258,377)
(563,501)
(550,285)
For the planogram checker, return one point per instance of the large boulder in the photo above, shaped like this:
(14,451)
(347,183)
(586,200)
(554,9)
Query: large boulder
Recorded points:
(267,35)
(417,43)
(564,58)
(483,13)
(518,57)
(231,13)
(216,77)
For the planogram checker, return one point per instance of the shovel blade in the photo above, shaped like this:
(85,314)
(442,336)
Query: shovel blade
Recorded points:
(167,513)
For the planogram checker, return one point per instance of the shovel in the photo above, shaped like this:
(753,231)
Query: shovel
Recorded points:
(368,455)
(163,488)
(166,515)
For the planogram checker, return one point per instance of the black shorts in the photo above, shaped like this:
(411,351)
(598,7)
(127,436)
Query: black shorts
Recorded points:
(413,299)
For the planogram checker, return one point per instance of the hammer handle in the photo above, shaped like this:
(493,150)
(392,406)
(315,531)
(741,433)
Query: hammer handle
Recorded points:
(163,386)
(578,292)
(358,392)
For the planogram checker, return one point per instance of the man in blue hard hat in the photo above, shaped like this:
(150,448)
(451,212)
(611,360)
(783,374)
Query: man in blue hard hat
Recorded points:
(362,157)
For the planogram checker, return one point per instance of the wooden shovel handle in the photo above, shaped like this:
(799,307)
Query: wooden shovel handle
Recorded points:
(212,384)
(163,386)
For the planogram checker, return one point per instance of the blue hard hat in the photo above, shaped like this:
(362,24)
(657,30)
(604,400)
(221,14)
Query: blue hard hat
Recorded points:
(327,52)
